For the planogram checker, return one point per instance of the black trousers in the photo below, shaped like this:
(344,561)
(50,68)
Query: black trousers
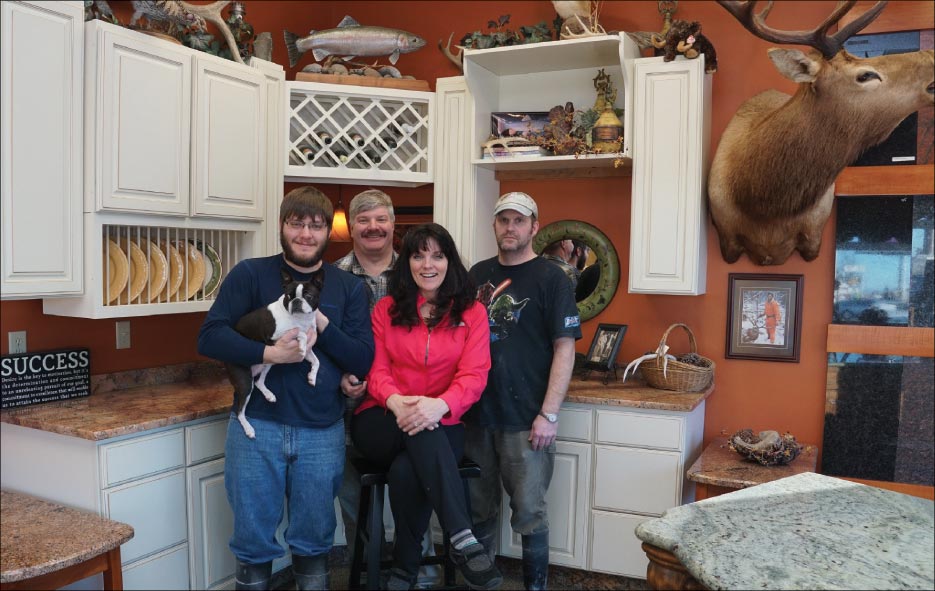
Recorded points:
(422,475)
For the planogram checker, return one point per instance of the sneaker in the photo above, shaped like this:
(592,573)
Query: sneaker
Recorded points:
(399,580)
(478,571)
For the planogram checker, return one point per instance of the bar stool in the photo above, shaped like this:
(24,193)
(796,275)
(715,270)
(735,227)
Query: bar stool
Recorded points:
(370,525)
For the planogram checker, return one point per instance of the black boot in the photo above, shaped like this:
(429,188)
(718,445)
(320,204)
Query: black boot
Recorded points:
(311,572)
(536,561)
(253,576)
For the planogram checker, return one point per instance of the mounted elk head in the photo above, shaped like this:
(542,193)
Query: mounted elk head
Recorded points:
(771,185)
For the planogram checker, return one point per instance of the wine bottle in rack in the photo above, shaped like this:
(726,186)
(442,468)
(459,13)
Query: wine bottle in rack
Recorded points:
(357,139)
(340,154)
(325,137)
(308,152)
(373,155)
(294,159)
(389,139)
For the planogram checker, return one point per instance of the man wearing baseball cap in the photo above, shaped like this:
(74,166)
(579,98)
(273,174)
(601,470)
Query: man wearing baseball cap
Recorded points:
(533,327)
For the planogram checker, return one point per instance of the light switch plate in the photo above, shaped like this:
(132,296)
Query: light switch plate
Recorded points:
(17,341)
(123,334)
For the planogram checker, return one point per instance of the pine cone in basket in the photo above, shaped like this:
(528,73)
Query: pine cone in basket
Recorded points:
(694,359)
(768,448)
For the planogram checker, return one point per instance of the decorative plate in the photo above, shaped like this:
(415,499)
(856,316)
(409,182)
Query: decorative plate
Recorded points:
(194,268)
(212,269)
(117,270)
(139,270)
(158,272)
(176,269)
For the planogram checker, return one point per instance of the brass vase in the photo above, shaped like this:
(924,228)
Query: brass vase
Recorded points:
(607,134)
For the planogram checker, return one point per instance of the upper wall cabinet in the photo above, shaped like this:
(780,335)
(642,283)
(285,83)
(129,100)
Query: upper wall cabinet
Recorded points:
(539,76)
(171,130)
(339,134)
(41,51)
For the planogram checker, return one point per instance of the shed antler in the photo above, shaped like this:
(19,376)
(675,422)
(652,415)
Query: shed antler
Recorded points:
(828,45)
(212,13)
(446,49)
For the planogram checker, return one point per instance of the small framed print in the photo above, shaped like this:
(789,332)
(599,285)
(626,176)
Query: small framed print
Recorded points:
(604,347)
(764,318)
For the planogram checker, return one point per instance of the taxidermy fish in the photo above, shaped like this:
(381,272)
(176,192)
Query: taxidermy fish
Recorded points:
(351,39)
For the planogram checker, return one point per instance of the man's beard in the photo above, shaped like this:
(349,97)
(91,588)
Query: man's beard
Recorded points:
(520,244)
(290,255)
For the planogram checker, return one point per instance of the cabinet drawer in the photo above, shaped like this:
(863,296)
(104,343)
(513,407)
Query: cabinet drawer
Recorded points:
(614,546)
(574,423)
(205,441)
(635,480)
(166,570)
(135,458)
(155,508)
(642,430)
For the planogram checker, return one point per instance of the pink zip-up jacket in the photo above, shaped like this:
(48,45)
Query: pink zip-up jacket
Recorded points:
(447,362)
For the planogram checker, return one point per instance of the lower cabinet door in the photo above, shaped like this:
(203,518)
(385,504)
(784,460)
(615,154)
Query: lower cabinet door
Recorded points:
(568,502)
(211,525)
(155,508)
(636,480)
(166,570)
(615,548)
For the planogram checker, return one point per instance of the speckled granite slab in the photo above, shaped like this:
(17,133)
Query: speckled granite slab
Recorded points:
(111,413)
(39,537)
(807,531)
(634,395)
(720,466)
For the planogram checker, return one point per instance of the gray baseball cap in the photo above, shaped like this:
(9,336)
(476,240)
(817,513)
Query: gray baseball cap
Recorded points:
(517,201)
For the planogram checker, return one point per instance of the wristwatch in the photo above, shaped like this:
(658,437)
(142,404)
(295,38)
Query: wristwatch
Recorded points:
(550,417)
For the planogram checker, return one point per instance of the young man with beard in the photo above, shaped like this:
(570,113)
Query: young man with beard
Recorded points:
(298,452)
(372,224)
(511,431)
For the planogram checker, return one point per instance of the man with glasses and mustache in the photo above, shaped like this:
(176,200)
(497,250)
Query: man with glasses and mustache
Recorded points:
(298,452)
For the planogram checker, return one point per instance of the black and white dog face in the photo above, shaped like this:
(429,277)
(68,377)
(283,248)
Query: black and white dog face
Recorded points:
(301,297)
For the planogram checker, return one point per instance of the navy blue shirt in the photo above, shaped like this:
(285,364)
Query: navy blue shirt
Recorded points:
(346,345)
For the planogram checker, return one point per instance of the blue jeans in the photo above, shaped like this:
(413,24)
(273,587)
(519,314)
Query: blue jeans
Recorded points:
(301,464)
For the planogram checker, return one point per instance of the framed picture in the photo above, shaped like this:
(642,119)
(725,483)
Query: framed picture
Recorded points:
(604,347)
(520,124)
(764,318)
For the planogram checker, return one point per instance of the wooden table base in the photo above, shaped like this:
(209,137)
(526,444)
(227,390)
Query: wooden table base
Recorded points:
(665,572)
(107,563)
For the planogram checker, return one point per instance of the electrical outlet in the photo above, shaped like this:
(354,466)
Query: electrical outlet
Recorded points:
(123,334)
(17,341)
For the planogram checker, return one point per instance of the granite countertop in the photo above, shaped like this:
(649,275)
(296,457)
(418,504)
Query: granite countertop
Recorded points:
(39,537)
(103,415)
(633,394)
(720,466)
(806,531)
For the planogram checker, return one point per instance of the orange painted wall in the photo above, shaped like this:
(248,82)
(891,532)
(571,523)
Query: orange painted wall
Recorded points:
(760,395)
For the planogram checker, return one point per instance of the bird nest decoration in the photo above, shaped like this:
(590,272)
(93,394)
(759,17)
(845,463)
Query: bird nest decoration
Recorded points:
(768,448)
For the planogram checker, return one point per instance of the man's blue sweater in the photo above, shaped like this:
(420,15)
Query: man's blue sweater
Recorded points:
(346,345)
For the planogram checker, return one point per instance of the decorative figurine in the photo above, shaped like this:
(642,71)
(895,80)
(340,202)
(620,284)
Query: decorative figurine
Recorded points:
(685,38)
(99,9)
(607,133)
(351,39)
(241,30)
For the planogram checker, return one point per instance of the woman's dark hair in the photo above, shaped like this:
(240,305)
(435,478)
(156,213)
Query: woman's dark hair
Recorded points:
(454,296)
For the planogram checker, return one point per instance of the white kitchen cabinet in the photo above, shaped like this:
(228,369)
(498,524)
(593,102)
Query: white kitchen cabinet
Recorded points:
(211,524)
(614,468)
(41,118)
(668,224)
(340,133)
(275,148)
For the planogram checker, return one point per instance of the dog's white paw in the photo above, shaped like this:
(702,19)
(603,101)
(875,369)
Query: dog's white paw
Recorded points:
(312,377)
(248,429)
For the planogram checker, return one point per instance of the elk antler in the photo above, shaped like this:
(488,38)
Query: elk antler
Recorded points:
(455,59)
(212,13)
(818,37)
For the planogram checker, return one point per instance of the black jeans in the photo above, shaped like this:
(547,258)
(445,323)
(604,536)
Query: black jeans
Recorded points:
(422,474)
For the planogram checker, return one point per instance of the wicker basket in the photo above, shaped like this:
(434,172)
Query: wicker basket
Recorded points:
(684,377)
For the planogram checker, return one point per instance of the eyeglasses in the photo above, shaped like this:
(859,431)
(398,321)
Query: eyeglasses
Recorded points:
(313,226)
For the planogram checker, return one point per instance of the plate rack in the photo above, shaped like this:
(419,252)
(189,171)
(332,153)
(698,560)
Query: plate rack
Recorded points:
(375,135)
(139,269)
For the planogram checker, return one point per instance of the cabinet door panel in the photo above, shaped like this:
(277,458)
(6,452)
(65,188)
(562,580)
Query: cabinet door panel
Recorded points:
(144,116)
(568,500)
(205,441)
(166,570)
(155,508)
(211,526)
(635,480)
(142,456)
(637,429)
(41,112)
(229,141)
(614,546)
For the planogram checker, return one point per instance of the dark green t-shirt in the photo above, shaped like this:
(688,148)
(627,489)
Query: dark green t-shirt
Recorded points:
(526,315)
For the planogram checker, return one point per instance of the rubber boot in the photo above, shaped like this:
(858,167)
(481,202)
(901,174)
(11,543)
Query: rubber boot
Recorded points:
(311,572)
(486,533)
(253,576)
(536,561)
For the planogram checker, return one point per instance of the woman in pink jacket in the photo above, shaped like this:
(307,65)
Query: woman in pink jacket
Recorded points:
(432,357)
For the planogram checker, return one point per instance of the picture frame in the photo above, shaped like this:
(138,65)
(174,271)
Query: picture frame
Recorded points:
(526,124)
(602,354)
(764,317)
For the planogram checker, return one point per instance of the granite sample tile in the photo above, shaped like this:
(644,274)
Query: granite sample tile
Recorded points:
(807,531)
(39,537)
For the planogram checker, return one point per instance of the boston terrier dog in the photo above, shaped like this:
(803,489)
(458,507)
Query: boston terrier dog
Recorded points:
(294,309)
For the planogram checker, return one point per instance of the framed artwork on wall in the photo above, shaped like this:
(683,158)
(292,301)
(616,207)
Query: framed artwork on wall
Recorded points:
(764,318)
